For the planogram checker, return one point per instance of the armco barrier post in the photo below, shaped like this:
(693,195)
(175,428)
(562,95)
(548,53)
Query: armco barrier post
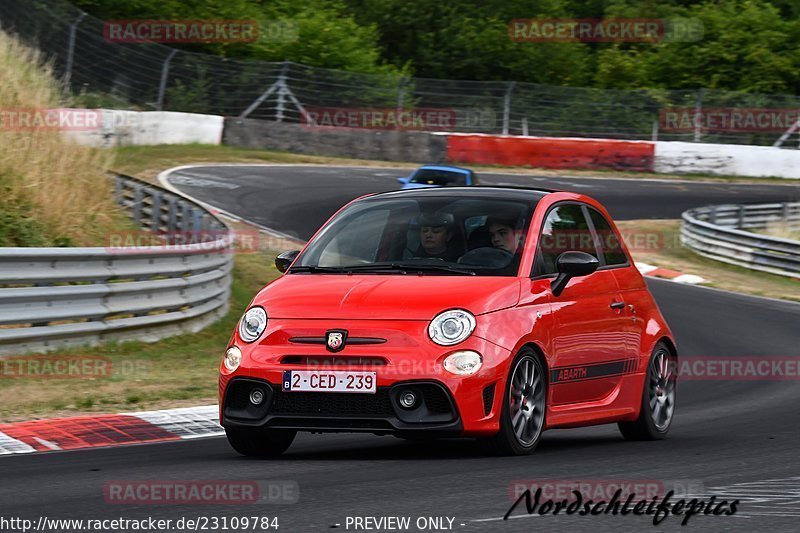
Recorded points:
(156,213)
(172,215)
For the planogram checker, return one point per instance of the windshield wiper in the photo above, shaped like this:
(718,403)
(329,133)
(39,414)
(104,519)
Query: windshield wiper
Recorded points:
(317,269)
(405,267)
(382,267)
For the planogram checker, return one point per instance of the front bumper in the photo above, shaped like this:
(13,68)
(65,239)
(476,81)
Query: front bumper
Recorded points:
(453,405)
(435,413)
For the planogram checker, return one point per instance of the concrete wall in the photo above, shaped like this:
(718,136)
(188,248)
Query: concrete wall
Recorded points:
(125,128)
(388,145)
(726,160)
(550,152)
(134,128)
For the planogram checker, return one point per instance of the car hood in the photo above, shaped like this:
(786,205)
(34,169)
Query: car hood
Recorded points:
(391,297)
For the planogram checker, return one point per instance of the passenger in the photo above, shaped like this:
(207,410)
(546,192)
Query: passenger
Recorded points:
(436,237)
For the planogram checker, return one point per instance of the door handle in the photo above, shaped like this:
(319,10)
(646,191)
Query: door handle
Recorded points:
(617,305)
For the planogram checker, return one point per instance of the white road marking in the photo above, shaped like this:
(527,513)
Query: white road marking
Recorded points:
(47,443)
(9,445)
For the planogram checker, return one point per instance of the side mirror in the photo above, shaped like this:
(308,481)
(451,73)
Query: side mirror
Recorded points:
(283,261)
(572,265)
(403,181)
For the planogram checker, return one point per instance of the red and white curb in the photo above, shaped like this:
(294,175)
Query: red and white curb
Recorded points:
(672,275)
(94,431)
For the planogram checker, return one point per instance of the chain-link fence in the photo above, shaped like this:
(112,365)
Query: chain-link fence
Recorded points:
(154,76)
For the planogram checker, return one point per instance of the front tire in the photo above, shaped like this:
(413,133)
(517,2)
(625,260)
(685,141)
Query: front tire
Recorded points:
(658,398)
(523,413)
(260,442)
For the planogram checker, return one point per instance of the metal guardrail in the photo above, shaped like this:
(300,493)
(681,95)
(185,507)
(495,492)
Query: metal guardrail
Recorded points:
(52,298)
(719,232)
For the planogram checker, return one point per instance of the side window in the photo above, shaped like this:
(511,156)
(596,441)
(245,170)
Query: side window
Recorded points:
(609,239)
(565,229)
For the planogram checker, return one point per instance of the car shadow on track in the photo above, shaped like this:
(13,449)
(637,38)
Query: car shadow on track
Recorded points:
(389,448)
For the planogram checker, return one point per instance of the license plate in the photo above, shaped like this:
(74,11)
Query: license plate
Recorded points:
(336,381)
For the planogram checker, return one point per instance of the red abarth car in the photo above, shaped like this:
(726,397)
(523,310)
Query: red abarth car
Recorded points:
(494,313)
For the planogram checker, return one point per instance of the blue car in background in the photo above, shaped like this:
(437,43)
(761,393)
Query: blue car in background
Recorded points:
(428,176)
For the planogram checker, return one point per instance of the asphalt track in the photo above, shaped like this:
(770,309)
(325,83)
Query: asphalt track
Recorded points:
(733,439)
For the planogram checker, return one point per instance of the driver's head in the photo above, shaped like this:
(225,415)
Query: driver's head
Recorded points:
(435,232)
(503,234)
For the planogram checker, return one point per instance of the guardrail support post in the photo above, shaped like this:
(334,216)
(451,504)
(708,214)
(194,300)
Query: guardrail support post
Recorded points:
(280,105)
(73,34)
(197,221)
(118,186)
(400,94)
(137,205)
(507,107)
(172,214)
(156,214)
(162,86)
(698,115)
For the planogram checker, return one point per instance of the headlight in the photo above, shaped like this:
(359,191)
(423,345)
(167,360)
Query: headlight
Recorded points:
(232,358)
(463,363)
(253,324)
(451,327)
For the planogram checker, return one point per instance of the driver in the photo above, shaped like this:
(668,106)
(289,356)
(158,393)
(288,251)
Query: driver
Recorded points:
(503,235)
(436,237)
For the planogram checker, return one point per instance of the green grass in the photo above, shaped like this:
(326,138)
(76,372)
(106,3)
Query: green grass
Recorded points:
(174,371)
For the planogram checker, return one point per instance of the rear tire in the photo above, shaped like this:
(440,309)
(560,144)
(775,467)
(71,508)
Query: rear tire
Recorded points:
(524,402)
(260,442)
(658,398)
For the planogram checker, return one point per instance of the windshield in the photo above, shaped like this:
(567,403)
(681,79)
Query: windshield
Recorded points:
(432,235)
(442,178)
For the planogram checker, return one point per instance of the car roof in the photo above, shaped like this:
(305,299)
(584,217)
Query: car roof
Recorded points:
(446,167)
(488,192)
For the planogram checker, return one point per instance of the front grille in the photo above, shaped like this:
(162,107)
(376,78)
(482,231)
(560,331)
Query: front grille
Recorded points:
(436,399)
(332,360)
(332,404)
(488,399)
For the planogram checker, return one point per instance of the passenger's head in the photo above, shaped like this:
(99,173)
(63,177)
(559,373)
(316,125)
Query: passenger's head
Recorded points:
(435,232)
(503,233)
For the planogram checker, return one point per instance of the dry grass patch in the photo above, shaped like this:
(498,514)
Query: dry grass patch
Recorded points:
(52,191)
